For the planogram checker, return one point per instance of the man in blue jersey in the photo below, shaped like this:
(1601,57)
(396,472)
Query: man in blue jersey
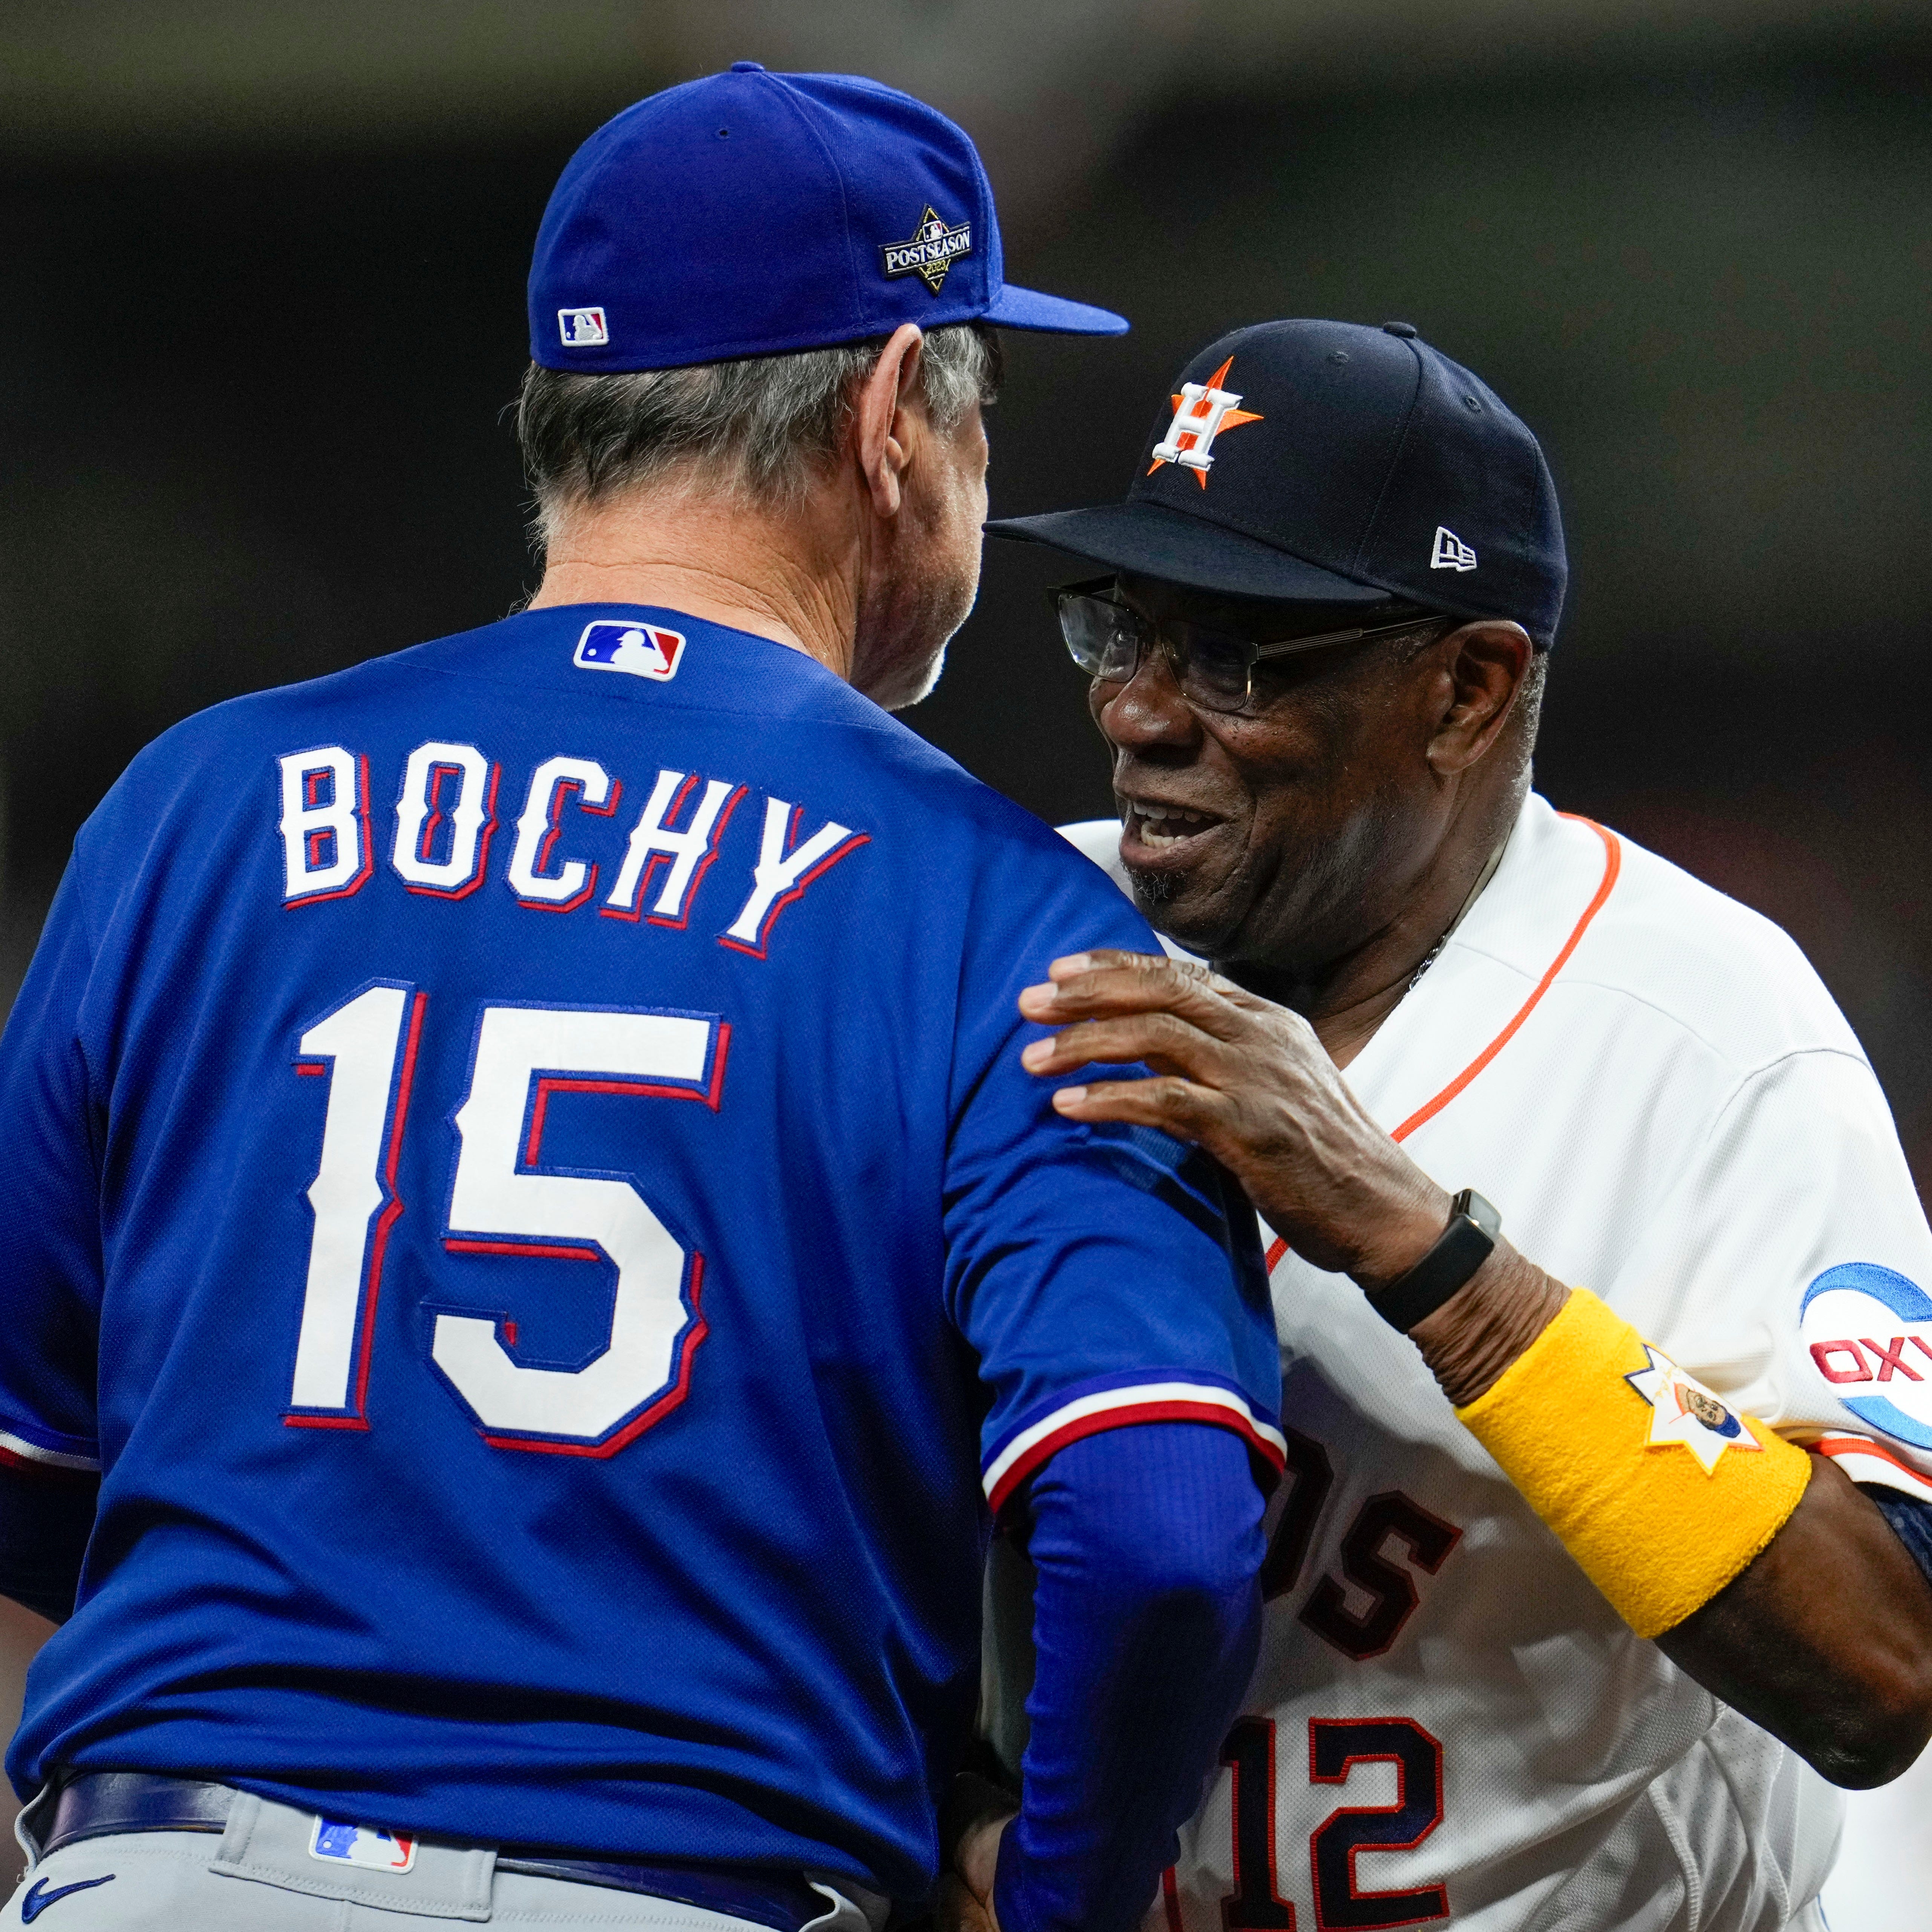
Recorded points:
(530,1249)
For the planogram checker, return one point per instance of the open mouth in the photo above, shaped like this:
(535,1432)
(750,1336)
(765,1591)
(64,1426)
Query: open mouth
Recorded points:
(1163,828)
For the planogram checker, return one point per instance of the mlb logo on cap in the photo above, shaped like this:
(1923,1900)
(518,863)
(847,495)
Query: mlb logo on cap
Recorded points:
(361,1845)
(582,328)
(645,651)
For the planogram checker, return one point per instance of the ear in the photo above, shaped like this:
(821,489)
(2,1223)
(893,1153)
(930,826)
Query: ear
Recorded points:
(1485,663)
(882,428)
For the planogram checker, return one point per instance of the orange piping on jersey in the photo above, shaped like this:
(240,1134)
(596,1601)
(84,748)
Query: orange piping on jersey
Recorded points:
(1613,860)
(1836,1446)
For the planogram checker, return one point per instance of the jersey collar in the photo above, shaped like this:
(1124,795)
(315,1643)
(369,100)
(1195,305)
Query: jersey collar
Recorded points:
(1510,946)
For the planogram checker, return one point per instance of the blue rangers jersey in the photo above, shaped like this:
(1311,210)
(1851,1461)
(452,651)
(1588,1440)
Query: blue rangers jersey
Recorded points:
(515,1166)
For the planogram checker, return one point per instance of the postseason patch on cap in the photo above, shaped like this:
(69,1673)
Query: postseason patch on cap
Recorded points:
(645,651)
(932,249)
(361,1845)
(582,328)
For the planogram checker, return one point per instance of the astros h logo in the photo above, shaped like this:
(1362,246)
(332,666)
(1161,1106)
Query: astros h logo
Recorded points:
(1200,412)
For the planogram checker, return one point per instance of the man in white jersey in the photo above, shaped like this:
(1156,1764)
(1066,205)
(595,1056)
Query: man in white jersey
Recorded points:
(1580,1603)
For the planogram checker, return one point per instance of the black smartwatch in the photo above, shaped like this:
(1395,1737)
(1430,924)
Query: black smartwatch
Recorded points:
(1462,1247)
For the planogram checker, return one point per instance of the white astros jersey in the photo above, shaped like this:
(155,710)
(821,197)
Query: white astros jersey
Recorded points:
(1447,1723)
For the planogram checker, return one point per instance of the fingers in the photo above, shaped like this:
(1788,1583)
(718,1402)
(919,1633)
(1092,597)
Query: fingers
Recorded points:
(975,1843)
(1163,1042)
(1181,1108)
(965,1901)
(1099,958)
(1099,985)
(971,1801)
(955,1910)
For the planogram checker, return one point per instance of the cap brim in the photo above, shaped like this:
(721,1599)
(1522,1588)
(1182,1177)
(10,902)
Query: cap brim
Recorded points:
(1028,308)
(1157,542)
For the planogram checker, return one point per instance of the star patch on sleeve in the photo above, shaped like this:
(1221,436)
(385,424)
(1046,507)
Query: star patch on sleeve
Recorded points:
(1683,1410)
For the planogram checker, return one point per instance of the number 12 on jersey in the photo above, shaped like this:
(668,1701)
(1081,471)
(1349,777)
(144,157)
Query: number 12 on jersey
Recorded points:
(367,1048)
(1336,1746)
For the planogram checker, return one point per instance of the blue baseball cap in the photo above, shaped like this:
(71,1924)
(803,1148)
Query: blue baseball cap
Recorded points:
(752,213)
(1329,463)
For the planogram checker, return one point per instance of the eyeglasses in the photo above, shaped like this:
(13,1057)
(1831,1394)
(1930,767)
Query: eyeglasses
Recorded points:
(1213,670)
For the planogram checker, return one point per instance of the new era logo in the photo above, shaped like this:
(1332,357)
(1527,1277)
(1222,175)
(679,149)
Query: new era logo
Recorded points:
(1450,552)
(582,328)
(645,651)
(361,1845)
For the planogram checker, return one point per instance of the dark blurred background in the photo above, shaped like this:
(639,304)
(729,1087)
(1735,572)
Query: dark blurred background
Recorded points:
(262,272)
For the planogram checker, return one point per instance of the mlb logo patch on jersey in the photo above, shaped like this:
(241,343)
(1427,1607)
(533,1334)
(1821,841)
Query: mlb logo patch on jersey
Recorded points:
(361,1845)
(582,328)
(645,651)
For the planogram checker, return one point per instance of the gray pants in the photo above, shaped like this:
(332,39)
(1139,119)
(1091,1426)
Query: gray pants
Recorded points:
(260,1876)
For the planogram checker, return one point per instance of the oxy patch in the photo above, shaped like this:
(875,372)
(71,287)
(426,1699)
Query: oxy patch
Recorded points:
(1868,1330)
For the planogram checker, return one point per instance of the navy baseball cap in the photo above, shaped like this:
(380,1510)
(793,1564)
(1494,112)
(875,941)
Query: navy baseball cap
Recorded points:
(751,214)
(1327,463)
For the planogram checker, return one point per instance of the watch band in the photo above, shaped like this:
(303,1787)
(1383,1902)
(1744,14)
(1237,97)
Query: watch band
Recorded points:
(1461,1249)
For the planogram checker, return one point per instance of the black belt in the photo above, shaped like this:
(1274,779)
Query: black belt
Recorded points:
(105,1804)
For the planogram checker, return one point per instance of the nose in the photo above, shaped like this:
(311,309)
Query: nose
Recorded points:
(1147,712)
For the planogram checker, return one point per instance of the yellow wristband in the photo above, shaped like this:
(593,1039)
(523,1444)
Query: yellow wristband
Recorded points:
(1661,1493)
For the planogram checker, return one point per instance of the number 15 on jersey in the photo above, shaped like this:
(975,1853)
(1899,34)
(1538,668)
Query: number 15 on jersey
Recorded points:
(500,1204)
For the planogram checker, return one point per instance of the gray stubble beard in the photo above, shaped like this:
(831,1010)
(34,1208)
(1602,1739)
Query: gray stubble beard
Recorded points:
(1151,888)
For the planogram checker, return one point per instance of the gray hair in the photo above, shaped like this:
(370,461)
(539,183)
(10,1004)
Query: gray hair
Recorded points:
(1527,716)
(759,428)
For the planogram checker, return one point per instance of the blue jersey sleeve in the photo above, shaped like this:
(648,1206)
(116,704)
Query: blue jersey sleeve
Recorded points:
(1146,1618)
(1106,1275)
(50,1263)
(1911,1520)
